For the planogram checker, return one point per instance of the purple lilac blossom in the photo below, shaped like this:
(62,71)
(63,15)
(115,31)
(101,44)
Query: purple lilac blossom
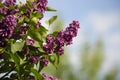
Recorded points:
(49,39)
(28,13)
(48,48)
(23,30)
(1,0)
(60,51)
(2,42)
(41,5)
(73,27)
(7,28)
(68,37)
(60,34)
(71,32)
(12,12)
(31,77)
(44,61)
(34,59)
(8,25)
(47,77)
(64,37)
(10,21)
(25,51)
(9,2)
(3,11)
(30,42)
(59,43)
(38,25)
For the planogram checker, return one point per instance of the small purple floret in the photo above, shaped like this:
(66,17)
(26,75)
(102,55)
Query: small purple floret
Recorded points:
(48,48)
(34,59)
(49,39)
(47,77)
(9,3)
(44,61)
(30,42)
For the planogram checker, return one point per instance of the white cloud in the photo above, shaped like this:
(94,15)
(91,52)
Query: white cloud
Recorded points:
(102,22)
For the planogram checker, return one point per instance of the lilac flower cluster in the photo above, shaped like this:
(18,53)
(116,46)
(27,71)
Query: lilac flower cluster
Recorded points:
(9,2)
(7,28)
(47,77)
(64,38)
(41,5)
(6,11)
(9,21)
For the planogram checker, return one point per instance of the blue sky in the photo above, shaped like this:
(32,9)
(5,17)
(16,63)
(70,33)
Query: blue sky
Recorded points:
(98,19)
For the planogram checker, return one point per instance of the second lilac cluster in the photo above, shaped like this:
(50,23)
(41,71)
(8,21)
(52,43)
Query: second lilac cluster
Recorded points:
(55,44)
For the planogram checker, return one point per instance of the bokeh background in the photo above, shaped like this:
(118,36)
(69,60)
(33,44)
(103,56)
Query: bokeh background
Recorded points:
(95,53)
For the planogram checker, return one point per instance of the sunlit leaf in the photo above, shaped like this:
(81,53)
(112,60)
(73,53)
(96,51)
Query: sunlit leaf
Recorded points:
(35,35)
(54,59)
(37,75)
(51,20)
(50,9)
(17,46)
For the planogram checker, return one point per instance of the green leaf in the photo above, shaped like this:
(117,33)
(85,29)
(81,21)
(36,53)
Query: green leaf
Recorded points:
(29,4)
(35,35)
(17,46)
(55,34)
(37,75)
(36,44)
(43,32)
(51,20)
(26,19)
(31,0)
(1,49)
(2,5)
(11,7)
(34,21)
(23,9)
(50,9)
(20,4)
(1,16)
(38,34)
(20,20)
(36,14)
(16,59)
(54,59)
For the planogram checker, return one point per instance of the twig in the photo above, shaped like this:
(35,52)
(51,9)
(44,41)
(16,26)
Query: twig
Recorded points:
(7,73)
